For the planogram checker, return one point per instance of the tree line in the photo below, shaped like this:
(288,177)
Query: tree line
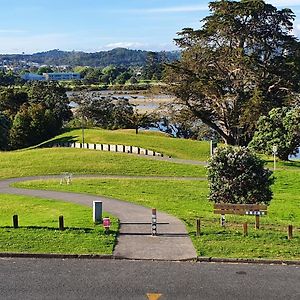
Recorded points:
(31,113)
(118,57)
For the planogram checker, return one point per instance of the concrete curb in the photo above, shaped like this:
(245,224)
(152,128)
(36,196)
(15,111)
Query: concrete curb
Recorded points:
(108,256)
(248,261)
(50,255)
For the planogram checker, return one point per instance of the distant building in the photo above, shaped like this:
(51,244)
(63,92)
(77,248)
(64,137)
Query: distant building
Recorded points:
(51,76)
(61,76)
(32,76)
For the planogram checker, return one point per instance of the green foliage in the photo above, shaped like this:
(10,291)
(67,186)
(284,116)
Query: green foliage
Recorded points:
(281,127)
(32,124)
(11,99)
(237,175)
(154,66)
(111,112)
(36,112)
(8,78)
(243,62)
(44,69)
(53,96)
(5,124)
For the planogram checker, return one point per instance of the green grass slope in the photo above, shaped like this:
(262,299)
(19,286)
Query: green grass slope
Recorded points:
(188,201)
(78,161)
(38,231)
(159,142)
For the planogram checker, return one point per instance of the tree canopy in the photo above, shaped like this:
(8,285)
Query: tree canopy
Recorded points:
(280,128)
(237,175)
(243,62)
(32,113)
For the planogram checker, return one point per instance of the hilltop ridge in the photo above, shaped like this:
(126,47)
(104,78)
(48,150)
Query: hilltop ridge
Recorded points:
(117,56)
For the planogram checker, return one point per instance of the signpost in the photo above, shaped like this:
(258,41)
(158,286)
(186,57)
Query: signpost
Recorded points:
(106,224)
(240,209)
(154,222)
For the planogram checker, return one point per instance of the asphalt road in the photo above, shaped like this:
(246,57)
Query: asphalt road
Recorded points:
(23,278)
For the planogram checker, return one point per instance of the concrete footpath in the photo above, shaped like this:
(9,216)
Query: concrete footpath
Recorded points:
(135,240)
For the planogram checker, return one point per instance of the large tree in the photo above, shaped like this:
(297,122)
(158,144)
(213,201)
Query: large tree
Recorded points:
(243,62)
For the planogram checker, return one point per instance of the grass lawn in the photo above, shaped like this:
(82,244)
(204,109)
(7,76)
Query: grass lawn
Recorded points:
(38,232)
(79,161)
(157,141)
(188,201)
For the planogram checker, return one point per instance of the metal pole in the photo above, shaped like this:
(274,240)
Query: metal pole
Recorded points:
(154,222)
(82,127)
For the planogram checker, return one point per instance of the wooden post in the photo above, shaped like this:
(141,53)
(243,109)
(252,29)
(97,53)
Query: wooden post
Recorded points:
(101,147)
(94,146)
(245,227)
(139,150)
(198,227)
(257,222)
(124,148)
(290,232)
(108,147)
(61,223)
(15,221)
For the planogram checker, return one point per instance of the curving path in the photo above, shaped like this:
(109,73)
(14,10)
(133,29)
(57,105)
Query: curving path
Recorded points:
(134,240)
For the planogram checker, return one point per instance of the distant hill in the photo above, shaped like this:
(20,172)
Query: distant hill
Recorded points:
(117,56)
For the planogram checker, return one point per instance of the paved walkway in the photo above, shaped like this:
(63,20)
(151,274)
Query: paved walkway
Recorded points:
(134,240)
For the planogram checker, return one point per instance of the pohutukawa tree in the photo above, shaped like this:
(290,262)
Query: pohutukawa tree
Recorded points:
(243,62)
(237,175)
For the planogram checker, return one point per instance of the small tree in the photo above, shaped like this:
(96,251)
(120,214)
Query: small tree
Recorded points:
(237,175)
(281,127)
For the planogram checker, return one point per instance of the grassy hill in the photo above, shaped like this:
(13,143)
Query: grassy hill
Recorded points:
(157,141)
(184,199)
(78,161)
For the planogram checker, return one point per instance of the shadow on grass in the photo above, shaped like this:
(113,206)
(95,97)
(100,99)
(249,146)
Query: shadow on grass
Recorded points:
(64,139)
(85,230)
(291,163)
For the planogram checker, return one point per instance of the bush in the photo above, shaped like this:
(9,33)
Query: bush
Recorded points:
(281,127)
(237,175)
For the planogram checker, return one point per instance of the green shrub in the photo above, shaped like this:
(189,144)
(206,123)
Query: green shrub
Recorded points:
(237,175)
(281,128)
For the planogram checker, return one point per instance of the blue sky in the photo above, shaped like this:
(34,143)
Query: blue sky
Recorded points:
(93,25)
